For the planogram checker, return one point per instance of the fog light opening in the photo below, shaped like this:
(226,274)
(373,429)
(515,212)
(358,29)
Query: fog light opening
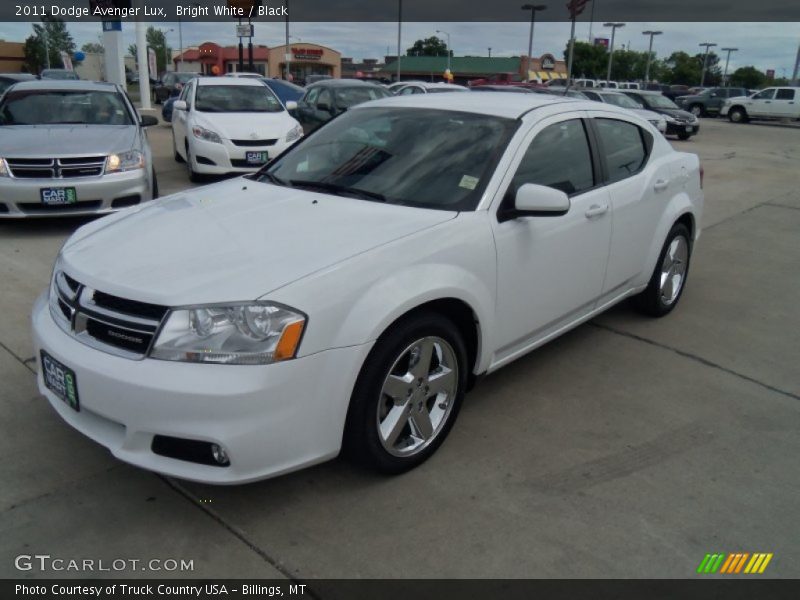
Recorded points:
(220,455)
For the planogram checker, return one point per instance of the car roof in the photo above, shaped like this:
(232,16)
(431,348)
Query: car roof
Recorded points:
(65,84)
(341,83)
(511,106)
(19,76)
(232,81)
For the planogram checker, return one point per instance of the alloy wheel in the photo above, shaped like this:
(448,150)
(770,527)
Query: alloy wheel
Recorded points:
(417,396)
(673,270)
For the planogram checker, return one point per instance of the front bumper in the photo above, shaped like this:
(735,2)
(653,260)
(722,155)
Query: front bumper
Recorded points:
(270,419)
(211,158)
(682,128)
(20,197)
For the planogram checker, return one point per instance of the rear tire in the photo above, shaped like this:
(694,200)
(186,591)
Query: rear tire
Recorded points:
(176,154)
(697,110)
(408,394)
(738,115)
(669,276)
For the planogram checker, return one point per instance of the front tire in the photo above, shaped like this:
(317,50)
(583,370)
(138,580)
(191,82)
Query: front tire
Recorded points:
(408,394)
(697,110)
(669,277)
(194,176)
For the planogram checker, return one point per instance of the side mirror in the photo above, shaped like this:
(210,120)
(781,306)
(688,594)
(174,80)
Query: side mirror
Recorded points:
(179,105)
(714,94)
(291,105)
(533,200)
(148,120)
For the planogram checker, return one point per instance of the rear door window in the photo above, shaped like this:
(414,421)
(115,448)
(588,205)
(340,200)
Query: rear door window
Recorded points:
(623,146)
(785,94)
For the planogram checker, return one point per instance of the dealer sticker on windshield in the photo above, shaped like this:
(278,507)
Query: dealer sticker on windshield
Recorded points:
(59,195)
(469,182)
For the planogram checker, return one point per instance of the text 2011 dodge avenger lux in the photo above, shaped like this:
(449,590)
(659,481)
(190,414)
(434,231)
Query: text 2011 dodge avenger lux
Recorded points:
(346,295)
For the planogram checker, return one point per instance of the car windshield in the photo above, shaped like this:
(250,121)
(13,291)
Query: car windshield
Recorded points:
(658,101)
(418,157)
(620,100)
(236,99)
(184,77)
(54,107)
(347,97)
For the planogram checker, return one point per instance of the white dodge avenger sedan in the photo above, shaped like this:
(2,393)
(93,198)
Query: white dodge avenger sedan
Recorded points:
(346,296)
(229,125)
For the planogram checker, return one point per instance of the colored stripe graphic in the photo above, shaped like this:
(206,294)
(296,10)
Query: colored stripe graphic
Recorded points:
(735,563)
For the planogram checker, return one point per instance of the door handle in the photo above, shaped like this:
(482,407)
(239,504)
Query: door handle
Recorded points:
(661,185)
(595,210)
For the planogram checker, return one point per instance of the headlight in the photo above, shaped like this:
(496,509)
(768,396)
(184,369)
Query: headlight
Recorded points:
(670,119)
(126,161)
(3,168)
(238,334)
(294,134)
(206,134)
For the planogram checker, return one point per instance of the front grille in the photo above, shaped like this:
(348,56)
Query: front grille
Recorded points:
(109,323)
(39,208)
(56,168)
(241,163)
(254,143)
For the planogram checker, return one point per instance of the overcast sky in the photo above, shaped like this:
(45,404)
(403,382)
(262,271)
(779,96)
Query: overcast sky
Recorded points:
(765,45)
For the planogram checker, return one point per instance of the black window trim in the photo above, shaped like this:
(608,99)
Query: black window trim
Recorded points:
(599,151)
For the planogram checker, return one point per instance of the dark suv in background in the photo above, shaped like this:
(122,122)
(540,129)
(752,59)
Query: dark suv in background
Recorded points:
(708,102)
(167,86)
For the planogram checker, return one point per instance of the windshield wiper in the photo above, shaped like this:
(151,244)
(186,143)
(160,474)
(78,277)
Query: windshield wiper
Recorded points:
(274,179)
(338,190)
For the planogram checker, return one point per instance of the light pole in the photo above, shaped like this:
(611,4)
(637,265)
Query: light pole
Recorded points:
(727,60)
(180,40)
(449,52)
(166,48)
(650,52)
(705,61)
(287,57)
(399,33)
(533,8)
(614,27)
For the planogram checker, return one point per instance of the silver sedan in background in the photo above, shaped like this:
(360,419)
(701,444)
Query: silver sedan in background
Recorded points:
(72,148)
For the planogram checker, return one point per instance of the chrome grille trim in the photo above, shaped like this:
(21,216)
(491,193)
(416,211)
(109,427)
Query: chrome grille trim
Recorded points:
(56,168)
(85,315)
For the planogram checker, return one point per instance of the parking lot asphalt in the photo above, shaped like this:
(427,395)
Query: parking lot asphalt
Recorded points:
(627,448)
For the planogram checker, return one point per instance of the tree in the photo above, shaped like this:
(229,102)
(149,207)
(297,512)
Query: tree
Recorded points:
(748,77)
(431,46)
(589,60)
(158,42)
(58,40)
(93,48)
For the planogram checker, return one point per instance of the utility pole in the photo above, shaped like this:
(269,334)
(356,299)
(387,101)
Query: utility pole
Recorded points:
(591,22)
(614,27)
(287,57)
(575,8)
(727,60)
(650,52)
(705,61)
(533,8)
(490,52)
(796,67)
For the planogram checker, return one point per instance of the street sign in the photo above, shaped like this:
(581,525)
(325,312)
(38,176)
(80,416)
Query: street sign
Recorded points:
(112,25)
(601,42)
(770,73)
(576,7)
(245,30)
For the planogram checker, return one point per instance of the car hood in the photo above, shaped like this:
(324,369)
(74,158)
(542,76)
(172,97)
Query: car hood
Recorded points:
(243,126)
(51,141)
(675,113)
(232,241)
(649,115)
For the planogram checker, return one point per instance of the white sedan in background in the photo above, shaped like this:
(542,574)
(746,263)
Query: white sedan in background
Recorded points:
(349,294)
(226,125)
